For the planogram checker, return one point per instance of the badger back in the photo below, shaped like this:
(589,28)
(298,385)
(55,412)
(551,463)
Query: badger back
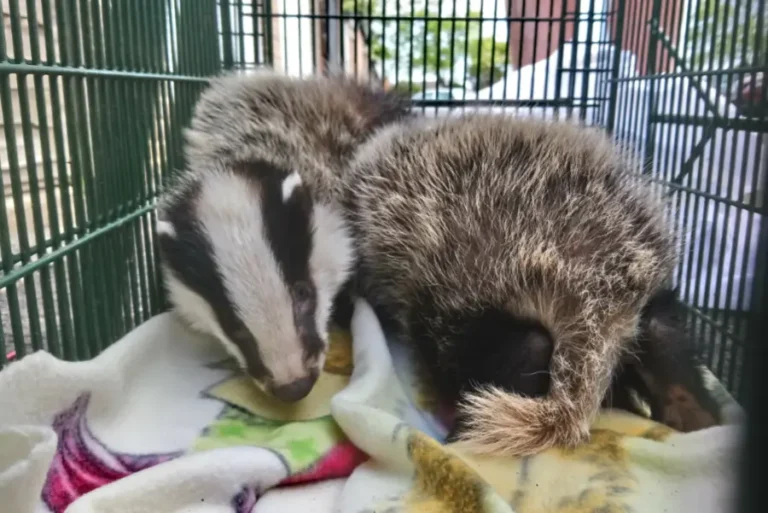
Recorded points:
(312,124)
(547,221)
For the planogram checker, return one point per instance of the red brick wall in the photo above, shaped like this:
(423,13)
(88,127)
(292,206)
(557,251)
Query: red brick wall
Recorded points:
(538,39)
(637,31)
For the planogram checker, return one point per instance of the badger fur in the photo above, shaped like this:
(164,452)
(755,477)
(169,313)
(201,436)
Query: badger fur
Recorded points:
(253,245)
(481,236)
(662,370)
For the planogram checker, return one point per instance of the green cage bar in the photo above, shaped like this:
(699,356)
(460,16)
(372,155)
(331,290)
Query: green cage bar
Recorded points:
(93,95)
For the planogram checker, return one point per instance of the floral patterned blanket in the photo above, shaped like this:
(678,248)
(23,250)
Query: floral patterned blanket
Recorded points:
(162,422)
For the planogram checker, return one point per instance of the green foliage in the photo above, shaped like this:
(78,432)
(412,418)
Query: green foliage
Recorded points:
(489,67)
(408,88)
(433,41)
(430,45)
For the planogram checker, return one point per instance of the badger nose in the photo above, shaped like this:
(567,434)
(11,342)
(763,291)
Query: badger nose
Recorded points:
(296,390)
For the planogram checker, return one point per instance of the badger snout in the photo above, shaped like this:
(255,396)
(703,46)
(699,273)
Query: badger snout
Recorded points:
(295,390)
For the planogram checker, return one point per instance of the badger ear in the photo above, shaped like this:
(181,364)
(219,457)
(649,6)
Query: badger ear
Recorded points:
(290,184)
(165,228)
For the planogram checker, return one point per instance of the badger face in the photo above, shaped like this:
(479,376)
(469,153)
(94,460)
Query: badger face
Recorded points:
(251,259)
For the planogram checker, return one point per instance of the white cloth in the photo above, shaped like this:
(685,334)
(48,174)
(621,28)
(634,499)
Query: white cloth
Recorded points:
(160,423)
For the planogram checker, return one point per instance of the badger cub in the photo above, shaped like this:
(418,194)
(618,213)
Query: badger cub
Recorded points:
(253,245)
(663,370)
(483,238)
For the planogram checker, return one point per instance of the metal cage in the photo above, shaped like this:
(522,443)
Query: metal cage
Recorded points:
(94,95)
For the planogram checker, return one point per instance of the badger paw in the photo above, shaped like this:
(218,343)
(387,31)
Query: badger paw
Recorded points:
(682,411)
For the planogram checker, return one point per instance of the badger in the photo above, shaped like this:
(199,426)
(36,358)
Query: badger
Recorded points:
(662,372)
(253,246)
(516,257)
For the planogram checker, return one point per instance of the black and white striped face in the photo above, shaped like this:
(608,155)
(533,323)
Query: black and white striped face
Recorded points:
(249,258)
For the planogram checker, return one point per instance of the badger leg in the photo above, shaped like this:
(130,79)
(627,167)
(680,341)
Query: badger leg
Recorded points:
(620,396)
(343,307)
(667,365)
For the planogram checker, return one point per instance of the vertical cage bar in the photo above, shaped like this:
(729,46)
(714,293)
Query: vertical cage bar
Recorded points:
(586,73)
(6,250)
(226,34)
(564,15)
(616,65)
(411,23)
(49,312)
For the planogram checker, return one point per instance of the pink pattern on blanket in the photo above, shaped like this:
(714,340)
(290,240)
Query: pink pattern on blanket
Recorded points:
(340,461)
(82,463)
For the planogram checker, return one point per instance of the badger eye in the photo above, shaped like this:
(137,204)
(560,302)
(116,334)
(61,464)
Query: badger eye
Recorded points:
(302,291)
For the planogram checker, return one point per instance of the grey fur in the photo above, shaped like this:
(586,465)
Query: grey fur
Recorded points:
(312,124)
(546,220)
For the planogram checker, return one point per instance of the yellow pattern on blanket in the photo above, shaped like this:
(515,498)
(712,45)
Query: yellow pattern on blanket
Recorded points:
(630,464)
(626,458)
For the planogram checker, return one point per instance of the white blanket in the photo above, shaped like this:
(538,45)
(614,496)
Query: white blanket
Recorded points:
(160,422)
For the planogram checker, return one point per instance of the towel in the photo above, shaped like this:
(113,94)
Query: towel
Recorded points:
(162,421)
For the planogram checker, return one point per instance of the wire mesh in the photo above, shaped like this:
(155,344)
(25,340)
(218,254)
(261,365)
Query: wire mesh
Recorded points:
(695,109)
(94,95)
